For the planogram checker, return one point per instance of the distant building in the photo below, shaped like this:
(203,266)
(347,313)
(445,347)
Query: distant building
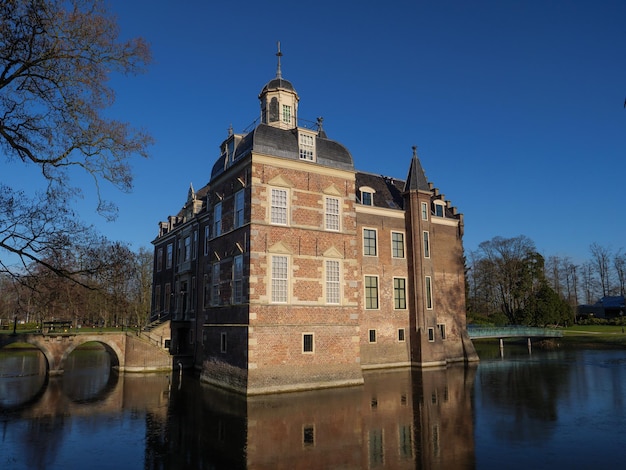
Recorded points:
(608,307)
(291,270)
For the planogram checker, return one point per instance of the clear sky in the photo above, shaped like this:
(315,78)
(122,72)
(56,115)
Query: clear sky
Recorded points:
(517,107)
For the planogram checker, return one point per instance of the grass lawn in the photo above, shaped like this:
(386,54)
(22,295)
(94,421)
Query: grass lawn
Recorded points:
(595,335)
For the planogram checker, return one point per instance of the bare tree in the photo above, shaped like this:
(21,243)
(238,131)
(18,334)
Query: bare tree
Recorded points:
(601,260)
(55,59)
(619,262)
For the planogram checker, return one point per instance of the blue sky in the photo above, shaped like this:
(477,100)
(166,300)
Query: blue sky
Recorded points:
(516,106)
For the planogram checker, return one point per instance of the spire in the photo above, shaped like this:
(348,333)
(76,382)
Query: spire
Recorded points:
(416,179)
(279,55)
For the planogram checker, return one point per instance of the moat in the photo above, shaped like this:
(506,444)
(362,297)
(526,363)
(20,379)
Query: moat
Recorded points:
(551,409)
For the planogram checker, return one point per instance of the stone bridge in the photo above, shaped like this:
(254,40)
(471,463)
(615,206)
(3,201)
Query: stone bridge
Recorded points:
(129,352)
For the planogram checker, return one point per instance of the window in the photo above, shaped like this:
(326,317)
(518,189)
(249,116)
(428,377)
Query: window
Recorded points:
(307,147)
(442,330)
(287,114)
(167,299)
(168,259)
(332,282)
(217,220)
(206,240)
(424,211)
(308,435)
(238,209)
(187,251)
(431,334)
(405,441)
(195,244)
(215,284)
(332,213)
(366,198)
(159,259)
(371,292)
(279,207)
(376,448)
(399,293)
(439,210)
(401,335)
(397,244)
(369,242)
(426,245)
(238,279)
(307,343)
(372,336)
(206,290)
(223,343)
(429,293)
(279,279)
(157,299)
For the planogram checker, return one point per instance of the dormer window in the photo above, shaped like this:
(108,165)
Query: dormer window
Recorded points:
(367,196)
(307,147)
(439,210)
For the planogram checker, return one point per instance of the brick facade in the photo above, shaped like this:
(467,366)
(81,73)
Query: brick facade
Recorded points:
(291,270)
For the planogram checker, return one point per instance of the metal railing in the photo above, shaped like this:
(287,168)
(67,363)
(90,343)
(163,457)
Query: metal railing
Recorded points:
(513,331)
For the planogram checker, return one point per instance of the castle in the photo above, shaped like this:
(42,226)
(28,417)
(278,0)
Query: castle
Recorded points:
(291,270)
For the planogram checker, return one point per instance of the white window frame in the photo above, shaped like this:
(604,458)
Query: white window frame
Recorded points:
(366,287)
(286,114)
(237,279)
(304,344)
(306,146)
(428,286)
(217,219)
(333,282)
(397,289)
(369,238)
(440,209)
(169,256)
(332,214)
(424,211)
(426,242)
(371,336)
(215,283)
(239,206)
(395,243)
(279,279)
(279,206)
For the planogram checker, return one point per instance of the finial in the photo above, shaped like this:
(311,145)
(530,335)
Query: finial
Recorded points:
(230,130)
(320,120)
(415,151)
(279,55)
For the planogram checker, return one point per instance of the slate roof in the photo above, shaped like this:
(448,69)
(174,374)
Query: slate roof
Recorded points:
(276,83)
(284,143)
(388,191)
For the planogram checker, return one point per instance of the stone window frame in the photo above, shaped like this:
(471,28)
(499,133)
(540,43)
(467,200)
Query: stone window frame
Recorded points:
(332,215)
(396,298)
(428,298)
(369,238)
(308,343)
(279,279)
(397,245)
(372,289)
(426,243)
(279,206)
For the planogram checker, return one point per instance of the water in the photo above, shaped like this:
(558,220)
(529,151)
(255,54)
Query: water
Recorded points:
(551,409)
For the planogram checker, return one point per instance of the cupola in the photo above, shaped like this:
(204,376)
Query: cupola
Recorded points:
(279,101)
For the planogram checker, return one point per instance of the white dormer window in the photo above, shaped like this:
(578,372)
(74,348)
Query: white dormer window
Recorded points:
(439,209)
(367,195)
(307,147)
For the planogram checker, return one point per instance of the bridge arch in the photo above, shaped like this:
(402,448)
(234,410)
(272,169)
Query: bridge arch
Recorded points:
(117,355)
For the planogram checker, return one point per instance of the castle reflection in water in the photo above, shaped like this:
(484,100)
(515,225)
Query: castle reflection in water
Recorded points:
(397,419)
(400,419)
